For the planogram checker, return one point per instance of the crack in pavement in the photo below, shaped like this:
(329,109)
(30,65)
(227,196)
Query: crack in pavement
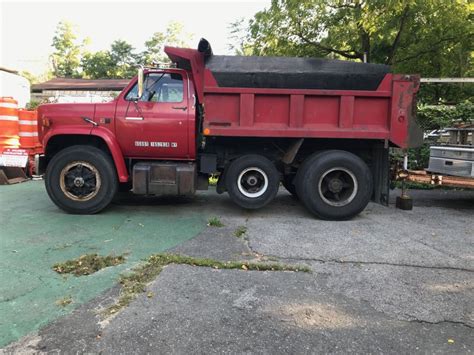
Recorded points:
(355,262)
(434,248)
(440,322)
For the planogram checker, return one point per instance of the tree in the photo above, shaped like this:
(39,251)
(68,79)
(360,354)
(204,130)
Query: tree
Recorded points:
(429,37)
(238,42)
(97,65)
(66,58)
(118,62)
(36,79)
(173,36)
(124,59)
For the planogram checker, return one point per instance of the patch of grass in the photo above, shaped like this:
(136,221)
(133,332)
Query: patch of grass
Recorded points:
(215,222)
(414,185)
(63,302)
(240,231)
(87,264)
(136,281)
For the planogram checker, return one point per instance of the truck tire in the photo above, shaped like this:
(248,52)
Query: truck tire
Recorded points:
(252,181)
(81,179)
(288,184)
(334,185)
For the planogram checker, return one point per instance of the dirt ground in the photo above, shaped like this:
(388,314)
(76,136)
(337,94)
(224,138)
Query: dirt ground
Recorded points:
(388,281)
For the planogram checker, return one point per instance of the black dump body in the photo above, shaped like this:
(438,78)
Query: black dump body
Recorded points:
(295,73)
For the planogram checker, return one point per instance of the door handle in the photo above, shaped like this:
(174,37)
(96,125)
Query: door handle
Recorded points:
(184,108)
(128,118)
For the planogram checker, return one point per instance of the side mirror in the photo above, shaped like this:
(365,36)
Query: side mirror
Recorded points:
(140,83)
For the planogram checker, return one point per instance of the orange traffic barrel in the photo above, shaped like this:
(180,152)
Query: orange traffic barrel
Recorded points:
(28,129)
(9,125)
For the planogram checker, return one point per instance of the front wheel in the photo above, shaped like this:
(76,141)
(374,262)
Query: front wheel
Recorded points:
(334,185)
(81,179)
(252,181)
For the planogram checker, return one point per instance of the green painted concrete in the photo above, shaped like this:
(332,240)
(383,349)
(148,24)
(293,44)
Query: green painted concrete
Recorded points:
(35,234)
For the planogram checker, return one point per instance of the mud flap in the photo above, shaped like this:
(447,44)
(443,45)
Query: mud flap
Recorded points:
(381,173)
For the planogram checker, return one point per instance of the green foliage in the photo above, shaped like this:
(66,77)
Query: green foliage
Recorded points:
(87,264)
(240,231)
(120,61)
(215,222)
(35,79)
(33,104)
(66,57)
(98,65)
(442,116)
(173,36)
(433,38)
(412,185)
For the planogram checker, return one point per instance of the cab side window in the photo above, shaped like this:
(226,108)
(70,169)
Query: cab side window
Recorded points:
(159,87)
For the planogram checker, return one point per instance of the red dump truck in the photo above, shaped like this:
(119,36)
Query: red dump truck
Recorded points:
(321,128)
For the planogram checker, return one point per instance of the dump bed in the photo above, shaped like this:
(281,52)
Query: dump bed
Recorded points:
(301,98)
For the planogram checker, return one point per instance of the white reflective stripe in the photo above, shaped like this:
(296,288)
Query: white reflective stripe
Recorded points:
(28,134)
(8,105)
(29,123)
(8,118)
(134,118)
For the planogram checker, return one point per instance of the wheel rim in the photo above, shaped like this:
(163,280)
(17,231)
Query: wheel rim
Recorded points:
(80,181)
(252,182)
(338,187)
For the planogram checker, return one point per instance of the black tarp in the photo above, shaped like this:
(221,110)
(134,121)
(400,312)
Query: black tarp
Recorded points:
(294,73)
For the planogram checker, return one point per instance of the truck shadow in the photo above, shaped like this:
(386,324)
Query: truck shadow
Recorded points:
(284,204)
(451,199)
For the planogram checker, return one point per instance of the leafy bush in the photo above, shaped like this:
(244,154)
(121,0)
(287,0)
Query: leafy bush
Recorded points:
(442,116)
(33,104)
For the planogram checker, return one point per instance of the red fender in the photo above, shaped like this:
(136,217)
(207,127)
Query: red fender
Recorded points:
(100,132)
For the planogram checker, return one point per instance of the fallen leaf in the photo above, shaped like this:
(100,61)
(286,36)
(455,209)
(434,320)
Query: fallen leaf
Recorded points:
(245,267)
(450,341)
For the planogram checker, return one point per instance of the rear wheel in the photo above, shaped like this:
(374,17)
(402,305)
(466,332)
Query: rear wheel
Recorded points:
(252,181)
(81,180)
(334,185)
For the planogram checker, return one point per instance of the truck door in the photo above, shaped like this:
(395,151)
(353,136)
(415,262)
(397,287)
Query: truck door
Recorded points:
(155,126)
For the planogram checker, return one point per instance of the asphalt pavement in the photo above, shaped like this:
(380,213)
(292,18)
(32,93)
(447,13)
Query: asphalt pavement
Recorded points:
(388,281)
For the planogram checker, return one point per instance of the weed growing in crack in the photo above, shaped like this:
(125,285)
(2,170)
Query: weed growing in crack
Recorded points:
(136,281)
(240,231)
(87,264)
(63,302)
(215,222)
